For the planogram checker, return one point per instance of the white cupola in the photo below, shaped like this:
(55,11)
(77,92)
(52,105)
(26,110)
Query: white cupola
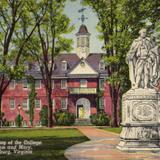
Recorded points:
(83,44)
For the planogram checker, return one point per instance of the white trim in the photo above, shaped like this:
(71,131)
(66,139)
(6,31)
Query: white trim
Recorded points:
(84,102)
(64,87)
(10,105)
(85,85)
(66,102)
(64,65)
(101,101)
(40,105)
(101,86)
(86,69)
(27,104)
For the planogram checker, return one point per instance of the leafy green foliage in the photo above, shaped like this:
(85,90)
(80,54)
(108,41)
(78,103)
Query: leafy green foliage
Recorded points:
(119,23)
(19,120)
(100,93)
(32,97)
(100,119)
(44,115)
(64,118)
(18,21)
(47,42)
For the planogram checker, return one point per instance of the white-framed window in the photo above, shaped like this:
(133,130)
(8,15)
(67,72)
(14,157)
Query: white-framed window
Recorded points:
(12,103)
(64,65)
(12,84)
(101,83)
(101,103)
(37,83)
(37,103)
(83,83)
(63,84)
(53,84)
(25,104)
(102,65)
(25,84)
(64,102)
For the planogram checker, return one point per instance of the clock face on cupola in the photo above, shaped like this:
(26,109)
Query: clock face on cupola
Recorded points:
(83,37)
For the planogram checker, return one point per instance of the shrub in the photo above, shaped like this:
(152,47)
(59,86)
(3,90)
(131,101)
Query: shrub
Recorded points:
(100,119)
(44,115)
(19,120)
(64,118)
(4,122)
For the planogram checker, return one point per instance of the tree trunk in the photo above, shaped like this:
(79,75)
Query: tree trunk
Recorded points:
(119,109)
(50,111)
(114,97)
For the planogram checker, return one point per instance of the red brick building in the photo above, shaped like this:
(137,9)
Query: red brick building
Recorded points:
(78,80)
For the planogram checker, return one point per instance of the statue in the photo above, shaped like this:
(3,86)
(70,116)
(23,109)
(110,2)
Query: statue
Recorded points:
(141,104)
(143,60)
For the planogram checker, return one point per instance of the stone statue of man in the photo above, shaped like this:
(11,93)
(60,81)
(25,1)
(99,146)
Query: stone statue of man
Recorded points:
(143,61)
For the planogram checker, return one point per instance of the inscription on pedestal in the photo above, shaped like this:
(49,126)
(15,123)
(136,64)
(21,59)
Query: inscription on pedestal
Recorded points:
(144,112)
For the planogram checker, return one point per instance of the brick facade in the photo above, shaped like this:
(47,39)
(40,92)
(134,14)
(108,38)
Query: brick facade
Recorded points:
(20,94)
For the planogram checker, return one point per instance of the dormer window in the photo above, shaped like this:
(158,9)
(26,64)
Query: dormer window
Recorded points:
(64,65)
(101,65)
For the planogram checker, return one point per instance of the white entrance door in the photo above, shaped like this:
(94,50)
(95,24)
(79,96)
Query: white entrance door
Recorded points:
(83,108)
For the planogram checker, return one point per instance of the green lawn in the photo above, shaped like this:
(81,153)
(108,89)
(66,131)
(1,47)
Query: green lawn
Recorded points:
(115,130)
(54,142)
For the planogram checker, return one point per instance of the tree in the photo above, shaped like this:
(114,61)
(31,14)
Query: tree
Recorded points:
(119,23)
(32,97)
(48,42)
(17,24)
(19,120)
(44,116)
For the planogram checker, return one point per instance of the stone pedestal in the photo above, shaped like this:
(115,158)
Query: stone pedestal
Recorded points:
(140,121)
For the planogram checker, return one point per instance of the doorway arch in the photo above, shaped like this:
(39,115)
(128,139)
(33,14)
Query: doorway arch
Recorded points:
(83,107)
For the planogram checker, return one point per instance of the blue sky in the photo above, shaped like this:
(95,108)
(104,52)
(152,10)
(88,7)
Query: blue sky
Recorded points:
(71,10)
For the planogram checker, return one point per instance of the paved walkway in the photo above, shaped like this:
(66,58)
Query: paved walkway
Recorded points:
(102,146)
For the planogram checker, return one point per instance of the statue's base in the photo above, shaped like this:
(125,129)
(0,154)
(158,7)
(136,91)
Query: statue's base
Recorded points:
(140,121)
(135,148)
(148,139)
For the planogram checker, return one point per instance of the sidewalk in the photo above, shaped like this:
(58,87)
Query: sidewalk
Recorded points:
(102,146)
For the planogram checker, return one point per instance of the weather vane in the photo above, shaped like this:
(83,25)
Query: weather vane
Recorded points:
(83,18)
